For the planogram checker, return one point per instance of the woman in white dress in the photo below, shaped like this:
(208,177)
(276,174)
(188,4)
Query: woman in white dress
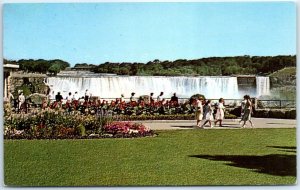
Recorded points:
(220,112)
(199,111)
(208,114)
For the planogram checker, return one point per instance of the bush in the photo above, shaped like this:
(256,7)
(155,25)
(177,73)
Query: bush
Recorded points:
(262,113)
(293,114)
(230,116)
(277,113)
(196,96)
(80,130)
(235,111)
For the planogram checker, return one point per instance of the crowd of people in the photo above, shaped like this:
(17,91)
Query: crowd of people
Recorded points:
(75,99)
(205,111)
(118,105)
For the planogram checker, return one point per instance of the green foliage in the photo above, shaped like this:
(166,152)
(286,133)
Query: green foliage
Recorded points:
(212,66)
(54,69)
(80,130)
(30,88)
(205,66)
(196,96)
(282,93)
(84,65)
(40,65)
(26,90)
(287,71)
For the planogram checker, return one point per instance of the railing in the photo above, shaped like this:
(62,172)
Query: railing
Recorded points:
(272,104)
(276,104)
(229,103)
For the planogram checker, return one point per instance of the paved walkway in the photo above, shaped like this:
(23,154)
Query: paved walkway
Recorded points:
(227,123)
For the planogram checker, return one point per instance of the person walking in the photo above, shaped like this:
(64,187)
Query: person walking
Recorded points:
(243,104)
(199,111)
(208,114)
(220,112)
(247,112)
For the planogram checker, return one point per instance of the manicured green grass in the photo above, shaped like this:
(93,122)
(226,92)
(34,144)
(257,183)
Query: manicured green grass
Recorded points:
(179,157)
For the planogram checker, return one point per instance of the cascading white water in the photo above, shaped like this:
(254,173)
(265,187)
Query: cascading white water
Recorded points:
(114,86)
(262,86)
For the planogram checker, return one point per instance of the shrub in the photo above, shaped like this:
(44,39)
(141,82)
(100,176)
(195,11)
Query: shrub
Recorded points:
(277,113)
(80,130)
(230,116)
(195,97)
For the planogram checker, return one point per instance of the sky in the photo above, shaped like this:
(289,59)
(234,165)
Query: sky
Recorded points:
(95,33)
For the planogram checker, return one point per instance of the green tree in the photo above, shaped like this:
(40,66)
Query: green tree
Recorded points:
(54,69)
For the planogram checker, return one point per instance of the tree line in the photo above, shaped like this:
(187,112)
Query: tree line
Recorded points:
(40,65)
(211,66)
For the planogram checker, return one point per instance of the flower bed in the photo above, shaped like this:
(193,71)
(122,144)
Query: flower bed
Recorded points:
(55,124)
(127,129)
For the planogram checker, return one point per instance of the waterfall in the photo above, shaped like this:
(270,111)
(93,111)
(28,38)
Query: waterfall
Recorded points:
(113,86)
(262,86)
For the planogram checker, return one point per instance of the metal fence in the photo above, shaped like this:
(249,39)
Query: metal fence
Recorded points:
(276,104)
(260,104)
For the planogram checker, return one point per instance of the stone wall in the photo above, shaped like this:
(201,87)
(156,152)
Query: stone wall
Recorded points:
(246,84)
(29,83)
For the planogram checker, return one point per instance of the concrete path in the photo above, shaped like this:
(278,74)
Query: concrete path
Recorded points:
(227,123)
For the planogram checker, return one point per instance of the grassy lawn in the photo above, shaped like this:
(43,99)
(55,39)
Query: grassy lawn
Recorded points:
(179,157)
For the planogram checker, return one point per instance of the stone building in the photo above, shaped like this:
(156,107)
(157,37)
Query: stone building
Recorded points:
(14,80)
(8,69)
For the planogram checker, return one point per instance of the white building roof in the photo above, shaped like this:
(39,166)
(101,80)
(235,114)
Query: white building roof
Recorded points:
(11,66)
